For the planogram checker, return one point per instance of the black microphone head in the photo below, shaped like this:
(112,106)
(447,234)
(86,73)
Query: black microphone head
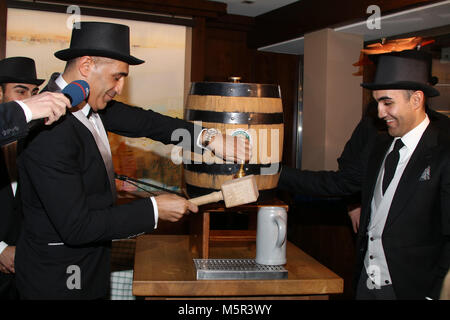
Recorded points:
(77,91)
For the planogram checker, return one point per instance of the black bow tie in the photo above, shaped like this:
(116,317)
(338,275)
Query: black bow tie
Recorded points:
(90,113)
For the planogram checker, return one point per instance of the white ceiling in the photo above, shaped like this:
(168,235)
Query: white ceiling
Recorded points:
(257,7)
(422,18)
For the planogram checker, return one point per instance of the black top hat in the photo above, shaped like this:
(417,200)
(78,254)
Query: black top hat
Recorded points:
(100,39)
(18,70)
(407,70)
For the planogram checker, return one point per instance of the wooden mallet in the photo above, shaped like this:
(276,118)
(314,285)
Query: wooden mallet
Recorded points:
(234,192)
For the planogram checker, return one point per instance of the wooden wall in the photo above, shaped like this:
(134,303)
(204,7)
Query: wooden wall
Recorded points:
(3,15)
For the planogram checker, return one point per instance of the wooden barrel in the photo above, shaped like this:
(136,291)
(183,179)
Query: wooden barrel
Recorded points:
(253,111)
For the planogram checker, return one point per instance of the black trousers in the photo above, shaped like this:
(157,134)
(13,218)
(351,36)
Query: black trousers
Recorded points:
(366,291)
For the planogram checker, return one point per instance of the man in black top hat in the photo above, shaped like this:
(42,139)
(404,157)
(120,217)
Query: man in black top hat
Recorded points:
(403,242)
(19,104)
(18,82)
(69,199)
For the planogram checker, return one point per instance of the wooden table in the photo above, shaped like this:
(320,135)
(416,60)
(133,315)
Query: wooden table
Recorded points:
(164,269)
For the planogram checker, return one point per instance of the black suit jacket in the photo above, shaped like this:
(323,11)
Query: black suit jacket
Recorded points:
(10,212)
(67,200)
(416,237)
(13,124)
(10,221)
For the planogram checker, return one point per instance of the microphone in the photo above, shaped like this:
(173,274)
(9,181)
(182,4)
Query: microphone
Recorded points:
(77,91)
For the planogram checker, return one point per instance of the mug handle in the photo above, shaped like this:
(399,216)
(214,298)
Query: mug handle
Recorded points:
(281,223)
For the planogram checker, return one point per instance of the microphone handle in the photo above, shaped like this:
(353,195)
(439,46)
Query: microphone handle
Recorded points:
(69,97)
(37,123)
(34,124)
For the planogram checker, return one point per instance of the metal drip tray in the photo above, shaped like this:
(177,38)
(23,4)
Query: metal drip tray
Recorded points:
(232,269)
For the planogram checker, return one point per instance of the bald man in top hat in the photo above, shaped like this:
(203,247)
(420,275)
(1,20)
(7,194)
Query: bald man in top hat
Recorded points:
(18,82)
(69,198)
(403,174)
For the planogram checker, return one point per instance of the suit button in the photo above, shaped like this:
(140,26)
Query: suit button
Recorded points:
(370,257)
(386,281)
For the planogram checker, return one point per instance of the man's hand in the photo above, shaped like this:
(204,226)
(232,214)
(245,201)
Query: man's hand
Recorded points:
(355,214)
(229,148)
(172,207)
(7,260)
(48,105)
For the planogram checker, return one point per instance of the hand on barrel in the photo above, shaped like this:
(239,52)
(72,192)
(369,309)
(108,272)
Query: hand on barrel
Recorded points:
(172,207)
(229,148)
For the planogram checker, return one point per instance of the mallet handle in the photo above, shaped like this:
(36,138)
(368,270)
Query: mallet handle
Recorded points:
(209,198)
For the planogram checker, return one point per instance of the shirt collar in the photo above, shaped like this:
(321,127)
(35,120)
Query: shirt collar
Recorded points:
(412,138)
(62,84)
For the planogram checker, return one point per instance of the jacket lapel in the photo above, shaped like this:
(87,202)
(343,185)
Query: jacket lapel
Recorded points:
(419,161)
(5,181)
(51,85)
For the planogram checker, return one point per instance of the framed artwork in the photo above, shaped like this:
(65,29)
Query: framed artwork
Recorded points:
(441,69)
(159,83)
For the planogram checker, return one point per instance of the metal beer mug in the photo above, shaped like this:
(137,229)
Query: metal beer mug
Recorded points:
(271,236)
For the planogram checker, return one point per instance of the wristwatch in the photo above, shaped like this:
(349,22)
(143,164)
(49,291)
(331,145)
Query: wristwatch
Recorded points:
(209,135)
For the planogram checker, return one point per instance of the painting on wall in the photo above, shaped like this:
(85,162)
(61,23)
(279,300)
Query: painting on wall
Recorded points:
(158,84)
(441,69)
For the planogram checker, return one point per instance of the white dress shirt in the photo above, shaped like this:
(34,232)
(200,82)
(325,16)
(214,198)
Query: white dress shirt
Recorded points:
(375,260)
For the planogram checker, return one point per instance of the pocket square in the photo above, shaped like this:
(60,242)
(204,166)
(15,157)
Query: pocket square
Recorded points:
(425,174)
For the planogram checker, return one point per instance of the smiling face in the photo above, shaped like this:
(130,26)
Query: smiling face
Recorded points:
(17,91)
(401,111)
(106,78)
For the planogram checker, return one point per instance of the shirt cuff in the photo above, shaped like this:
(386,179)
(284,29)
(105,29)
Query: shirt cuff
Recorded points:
(3,246)
(199,143)
(155,210)
(26,110)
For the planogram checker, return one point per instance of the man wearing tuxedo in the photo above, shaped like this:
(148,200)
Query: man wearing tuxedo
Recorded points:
(403,242)
(70,216)
(17,82)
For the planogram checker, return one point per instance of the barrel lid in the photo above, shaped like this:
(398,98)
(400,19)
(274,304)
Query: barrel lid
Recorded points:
(230,89)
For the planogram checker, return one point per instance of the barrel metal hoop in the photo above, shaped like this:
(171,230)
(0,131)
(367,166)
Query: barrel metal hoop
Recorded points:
(230,169)
(235,89)
(234,117)
(195,191)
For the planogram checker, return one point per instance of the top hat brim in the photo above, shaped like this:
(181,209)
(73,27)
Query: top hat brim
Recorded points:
(429,91)
(68,54)
(6,79)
